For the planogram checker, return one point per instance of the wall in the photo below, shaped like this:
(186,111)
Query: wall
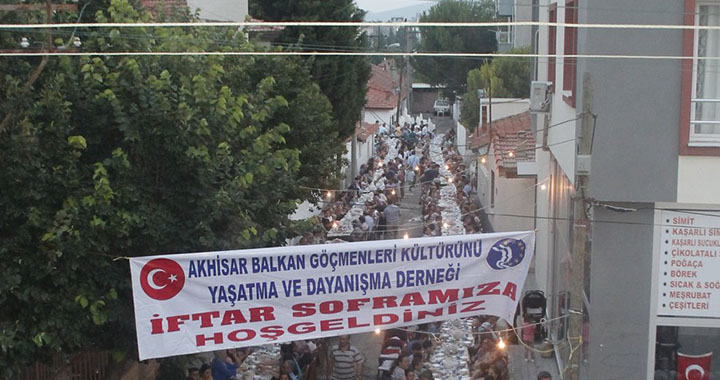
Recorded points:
(483,183)
(381,115)
(637,101)
(513,196)
(622,253)
(460,131)
(220,10)
(504,107)
(694,183)
(523,12)
(542,210)
(423,99)
(363,150)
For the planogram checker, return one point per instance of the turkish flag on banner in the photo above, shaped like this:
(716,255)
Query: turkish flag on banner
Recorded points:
(693,367)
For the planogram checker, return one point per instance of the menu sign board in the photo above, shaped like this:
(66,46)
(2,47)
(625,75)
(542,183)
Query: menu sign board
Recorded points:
(689,264)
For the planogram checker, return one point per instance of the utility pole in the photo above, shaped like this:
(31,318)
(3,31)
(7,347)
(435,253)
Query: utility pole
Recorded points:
(580,228)
(399,102)
(403,67)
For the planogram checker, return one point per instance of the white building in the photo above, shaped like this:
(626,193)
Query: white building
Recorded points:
(655,147)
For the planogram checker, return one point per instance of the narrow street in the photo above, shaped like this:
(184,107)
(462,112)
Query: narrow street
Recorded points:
(411,212)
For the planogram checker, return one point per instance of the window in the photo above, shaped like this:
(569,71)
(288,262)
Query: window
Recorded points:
(570,48)
(705,101)
(552,50)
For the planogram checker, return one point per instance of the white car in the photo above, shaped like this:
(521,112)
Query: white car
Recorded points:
(441,106)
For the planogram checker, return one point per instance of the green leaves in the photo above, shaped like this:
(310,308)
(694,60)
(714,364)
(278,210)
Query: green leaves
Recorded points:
(82,300)
(77,142)
(123,156)
(452,72)
(342,80)
(504,77)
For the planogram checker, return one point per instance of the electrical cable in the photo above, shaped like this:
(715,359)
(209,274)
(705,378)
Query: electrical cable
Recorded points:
(488,333)
(403,24)
(348,53)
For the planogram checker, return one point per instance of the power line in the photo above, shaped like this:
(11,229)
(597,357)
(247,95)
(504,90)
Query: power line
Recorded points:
(323,47)
(348,53)
(359,24)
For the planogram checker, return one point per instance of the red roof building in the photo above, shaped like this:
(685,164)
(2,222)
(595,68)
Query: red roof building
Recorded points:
(164,7)
(382,89)
(512,142)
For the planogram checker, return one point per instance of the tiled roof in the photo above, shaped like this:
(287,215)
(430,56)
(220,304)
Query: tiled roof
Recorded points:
(167,6)
(366,130)
(263,28)
(382,88)
(513,140)
(380,99)
(381,79)
(478,140)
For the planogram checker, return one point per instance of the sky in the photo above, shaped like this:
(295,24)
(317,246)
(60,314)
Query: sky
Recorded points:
(386,5)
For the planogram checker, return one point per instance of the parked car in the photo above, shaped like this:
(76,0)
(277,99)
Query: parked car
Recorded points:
(441,106)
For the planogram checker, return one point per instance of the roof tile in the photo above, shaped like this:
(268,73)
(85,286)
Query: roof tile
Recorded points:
(382,88)
(513,140)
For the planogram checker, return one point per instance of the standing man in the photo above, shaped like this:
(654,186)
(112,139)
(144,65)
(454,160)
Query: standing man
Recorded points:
(392,219)
(345,361)
(414,165)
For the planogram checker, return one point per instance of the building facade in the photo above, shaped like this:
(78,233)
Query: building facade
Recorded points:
(655,146)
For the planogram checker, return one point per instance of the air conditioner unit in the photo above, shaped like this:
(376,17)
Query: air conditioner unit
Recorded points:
(540,96)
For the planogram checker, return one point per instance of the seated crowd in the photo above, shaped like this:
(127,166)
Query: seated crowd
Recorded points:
(381,213)
(299,360)
(431,192)
(405,352)
(486,360)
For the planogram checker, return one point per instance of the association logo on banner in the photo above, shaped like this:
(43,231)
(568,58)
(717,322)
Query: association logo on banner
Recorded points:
(693,367)
(506,253)
(162,279)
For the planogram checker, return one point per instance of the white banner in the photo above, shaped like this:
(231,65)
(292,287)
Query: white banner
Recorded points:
(688,264)
(195,302)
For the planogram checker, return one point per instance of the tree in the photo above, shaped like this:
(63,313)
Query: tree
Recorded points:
(452,71)
(342,79)
(514,73)
(504,77)
(112,157)
(470,108)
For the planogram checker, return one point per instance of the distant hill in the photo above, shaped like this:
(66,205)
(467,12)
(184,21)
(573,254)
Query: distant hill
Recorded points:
(409,12)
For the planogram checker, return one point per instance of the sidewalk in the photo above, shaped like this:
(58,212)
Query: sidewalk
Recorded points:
(519,369)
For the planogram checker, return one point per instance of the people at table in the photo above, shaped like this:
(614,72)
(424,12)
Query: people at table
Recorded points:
(287,371)
(225,364)
(193,373)
(401,158)
(399,366)
(206,372)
